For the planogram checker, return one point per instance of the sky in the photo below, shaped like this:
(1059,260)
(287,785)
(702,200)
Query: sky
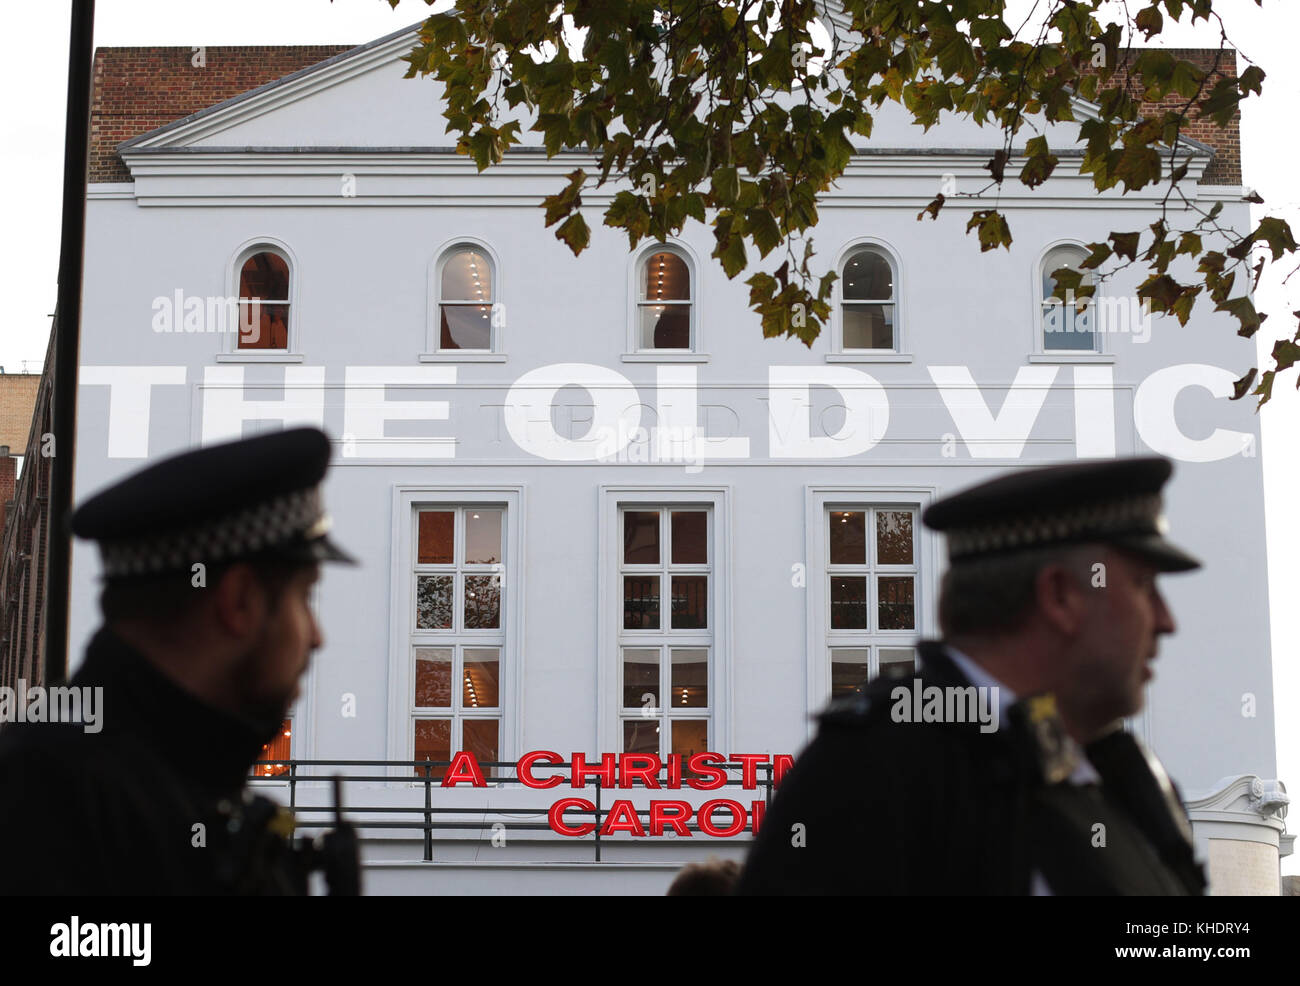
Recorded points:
(33,79)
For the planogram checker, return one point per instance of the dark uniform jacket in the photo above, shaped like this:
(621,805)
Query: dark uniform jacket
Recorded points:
(875,806)
(150,804)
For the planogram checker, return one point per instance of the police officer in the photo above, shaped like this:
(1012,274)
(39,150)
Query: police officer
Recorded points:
(209,559)
(1004,767)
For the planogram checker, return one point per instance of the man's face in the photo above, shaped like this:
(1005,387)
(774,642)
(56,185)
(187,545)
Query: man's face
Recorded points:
(1120,638)
(279,657)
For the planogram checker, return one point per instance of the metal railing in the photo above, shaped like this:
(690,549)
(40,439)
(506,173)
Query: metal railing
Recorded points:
(424,817)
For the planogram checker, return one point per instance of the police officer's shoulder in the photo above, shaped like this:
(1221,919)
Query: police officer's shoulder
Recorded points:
(866,708)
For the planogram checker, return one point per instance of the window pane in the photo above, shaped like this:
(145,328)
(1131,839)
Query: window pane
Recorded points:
(640,537)
(1068,327)
(432,742)
(665,327)
(482,602)
(433,677)
(641,736)
(897,662)
(433,602)
(466,276)
(482,671)
(894,537)
(641,602)
(436,538)
(465,327)
(848,602)
(690,537)
(277,749)
(690,684)
(848,537)
(1064,256)
(482,536)
(641,678)
(867,277)
(666,278)
(265,276)
(263,326)
(689,736)
(481,736)
(690,602)
(848,671)
(868,326)
(894,595)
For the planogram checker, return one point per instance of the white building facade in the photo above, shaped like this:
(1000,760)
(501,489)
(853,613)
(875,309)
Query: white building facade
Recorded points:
(597,512)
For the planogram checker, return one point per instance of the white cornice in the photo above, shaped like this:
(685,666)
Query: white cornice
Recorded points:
(1249,795)
(882,178)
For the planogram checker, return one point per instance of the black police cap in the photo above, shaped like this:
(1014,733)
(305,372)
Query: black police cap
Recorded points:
(258,497)
(1115,501)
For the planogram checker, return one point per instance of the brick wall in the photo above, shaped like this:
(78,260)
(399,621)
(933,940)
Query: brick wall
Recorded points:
(1225,168)
(140,89)
(17,398)
(8,474)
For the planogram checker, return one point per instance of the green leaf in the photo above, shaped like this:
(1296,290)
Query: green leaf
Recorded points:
(1239,388)
(993,229)
(575,232)
(726,186)
(763,229)
(1149,21)
(1126,244)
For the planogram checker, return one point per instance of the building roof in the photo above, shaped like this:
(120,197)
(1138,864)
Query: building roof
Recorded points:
(141,90)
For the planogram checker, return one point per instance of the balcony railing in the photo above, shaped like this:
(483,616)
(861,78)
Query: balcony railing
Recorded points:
(430,816)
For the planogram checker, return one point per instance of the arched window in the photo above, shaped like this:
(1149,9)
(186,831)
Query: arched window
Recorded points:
(1067,321)
(465,297)
(869,304)
(664,309)
(264,301)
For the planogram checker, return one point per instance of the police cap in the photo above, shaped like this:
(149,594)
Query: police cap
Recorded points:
(1115,501)
(254,498)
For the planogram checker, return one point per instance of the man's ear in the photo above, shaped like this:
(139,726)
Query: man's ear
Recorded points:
(1062,601)
(239,601)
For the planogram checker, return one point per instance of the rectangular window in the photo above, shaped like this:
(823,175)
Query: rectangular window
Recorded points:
(280,748)
(665,636)
(457,637)
(871,588)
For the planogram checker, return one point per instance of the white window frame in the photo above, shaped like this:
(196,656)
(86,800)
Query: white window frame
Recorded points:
(433,353)
(407,501)
(695,353)
(899,352)
(1038,351)
(230,351)
(818,501)
(609,606)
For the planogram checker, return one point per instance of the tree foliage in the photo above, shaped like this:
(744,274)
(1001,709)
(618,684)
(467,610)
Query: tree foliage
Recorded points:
(730,113)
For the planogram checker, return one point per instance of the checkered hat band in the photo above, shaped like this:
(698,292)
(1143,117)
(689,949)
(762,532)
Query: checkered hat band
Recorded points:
(1130,515)
(268,524)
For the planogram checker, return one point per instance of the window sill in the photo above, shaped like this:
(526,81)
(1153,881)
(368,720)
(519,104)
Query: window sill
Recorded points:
(867,357)
(260,356)
(1068,357)
(668,356)
(452,356)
